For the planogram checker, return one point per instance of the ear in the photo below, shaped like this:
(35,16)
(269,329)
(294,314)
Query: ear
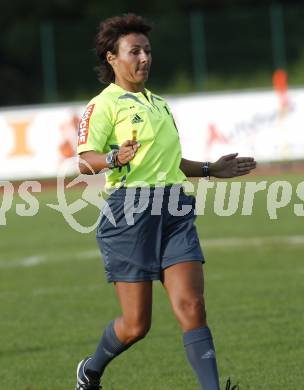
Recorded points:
(110,57)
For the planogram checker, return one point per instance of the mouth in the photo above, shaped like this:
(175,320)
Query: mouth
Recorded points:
(143,70)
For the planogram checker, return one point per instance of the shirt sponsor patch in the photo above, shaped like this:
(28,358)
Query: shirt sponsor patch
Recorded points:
(84,123)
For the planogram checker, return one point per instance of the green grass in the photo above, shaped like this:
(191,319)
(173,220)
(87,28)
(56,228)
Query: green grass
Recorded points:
(53,312)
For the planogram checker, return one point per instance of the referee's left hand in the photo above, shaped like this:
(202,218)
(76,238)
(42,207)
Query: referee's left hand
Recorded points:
(232,166)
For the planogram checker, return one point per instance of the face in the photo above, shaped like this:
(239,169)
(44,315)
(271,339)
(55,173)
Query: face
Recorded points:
(132,62)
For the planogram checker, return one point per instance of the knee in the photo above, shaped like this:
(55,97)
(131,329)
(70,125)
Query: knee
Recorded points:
(191,308)
(137,331)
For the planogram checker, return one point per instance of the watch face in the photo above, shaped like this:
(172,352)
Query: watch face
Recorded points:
(110,158)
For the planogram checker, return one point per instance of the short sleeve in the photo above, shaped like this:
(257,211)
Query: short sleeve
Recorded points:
(95,127)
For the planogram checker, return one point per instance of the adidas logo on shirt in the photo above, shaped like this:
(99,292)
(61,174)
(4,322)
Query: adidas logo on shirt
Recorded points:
(137,119)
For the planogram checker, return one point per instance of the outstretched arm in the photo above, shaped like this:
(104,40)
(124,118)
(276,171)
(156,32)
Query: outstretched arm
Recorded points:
(225,167)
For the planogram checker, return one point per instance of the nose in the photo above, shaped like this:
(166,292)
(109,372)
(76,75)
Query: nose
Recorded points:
(144,57)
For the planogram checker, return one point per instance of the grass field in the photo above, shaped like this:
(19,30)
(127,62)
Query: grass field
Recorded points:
(55,302)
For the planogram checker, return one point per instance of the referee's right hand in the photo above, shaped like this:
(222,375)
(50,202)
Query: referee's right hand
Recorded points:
(127,151)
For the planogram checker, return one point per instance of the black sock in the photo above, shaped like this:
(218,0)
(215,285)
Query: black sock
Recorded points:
(108,348)
(201,355)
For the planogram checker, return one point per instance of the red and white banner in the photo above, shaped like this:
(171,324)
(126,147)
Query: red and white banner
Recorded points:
(35,140)
(255,124)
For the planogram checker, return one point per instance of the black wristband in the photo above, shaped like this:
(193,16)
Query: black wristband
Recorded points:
(205,169)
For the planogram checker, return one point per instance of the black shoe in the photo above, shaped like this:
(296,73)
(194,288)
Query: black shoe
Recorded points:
(87,379)
(228,386)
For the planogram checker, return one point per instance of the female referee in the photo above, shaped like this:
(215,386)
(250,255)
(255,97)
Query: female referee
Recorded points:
(156,246)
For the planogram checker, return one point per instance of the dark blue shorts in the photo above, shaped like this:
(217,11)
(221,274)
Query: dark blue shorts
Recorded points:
(142,231)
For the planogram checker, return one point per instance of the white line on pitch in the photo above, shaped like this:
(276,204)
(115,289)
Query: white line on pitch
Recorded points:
(89,254)
(30,261)
(252,241)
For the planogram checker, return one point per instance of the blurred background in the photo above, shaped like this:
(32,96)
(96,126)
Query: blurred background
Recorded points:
(47,49)
(231,70)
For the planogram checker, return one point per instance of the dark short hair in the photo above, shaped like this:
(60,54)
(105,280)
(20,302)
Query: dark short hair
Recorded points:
(110,30)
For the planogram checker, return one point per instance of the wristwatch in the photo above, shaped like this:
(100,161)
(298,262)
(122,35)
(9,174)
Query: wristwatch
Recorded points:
(111,158)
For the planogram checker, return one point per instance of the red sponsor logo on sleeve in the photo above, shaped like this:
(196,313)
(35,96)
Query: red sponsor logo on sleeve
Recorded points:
(84,123)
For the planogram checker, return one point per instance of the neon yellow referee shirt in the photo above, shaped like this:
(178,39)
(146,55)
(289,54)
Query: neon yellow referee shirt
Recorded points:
(109,120)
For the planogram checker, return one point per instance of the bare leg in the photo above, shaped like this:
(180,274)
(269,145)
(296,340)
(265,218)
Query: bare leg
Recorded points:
(134,323)
(136,306)
(184,284)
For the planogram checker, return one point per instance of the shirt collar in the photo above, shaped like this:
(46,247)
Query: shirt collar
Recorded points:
(115,87)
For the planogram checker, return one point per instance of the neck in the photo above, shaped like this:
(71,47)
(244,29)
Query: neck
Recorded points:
(131,87)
